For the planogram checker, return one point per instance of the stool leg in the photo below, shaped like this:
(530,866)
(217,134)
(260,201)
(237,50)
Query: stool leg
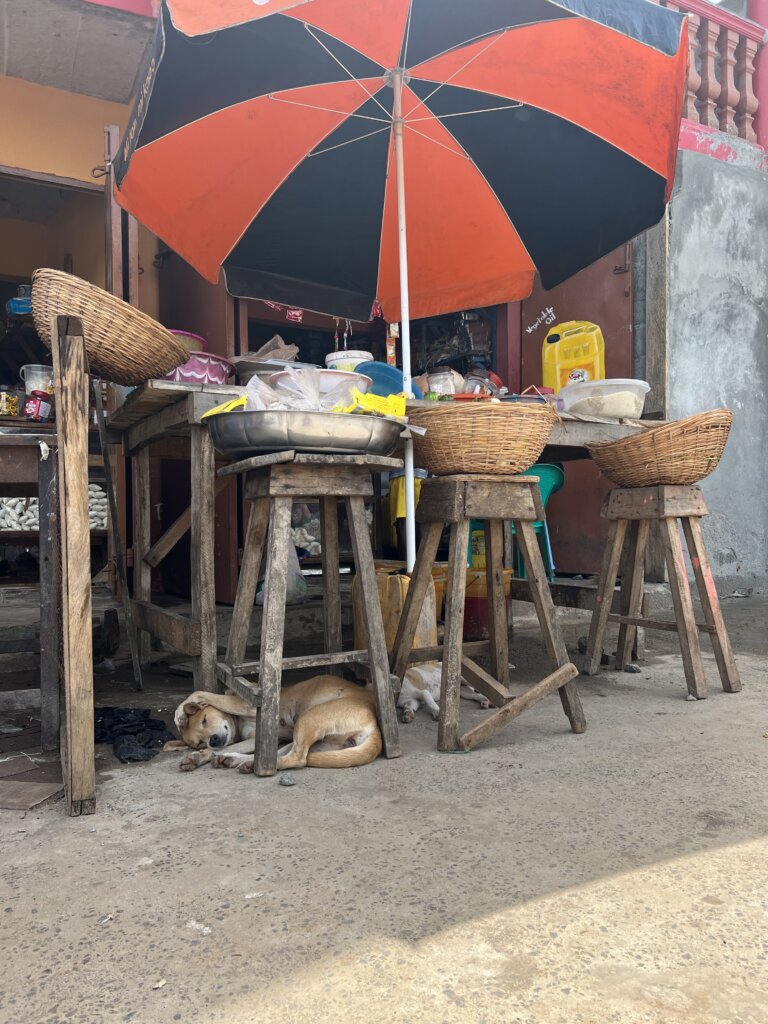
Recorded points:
(497,604)
(617,529)
(632,589)
(450,680)
(545,610)
(378,660)
(681,599)
(329,539)
(258,522)
(414,599)
(726,664)
(272,632)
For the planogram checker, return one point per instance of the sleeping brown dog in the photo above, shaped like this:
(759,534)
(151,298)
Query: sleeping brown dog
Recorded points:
(330,722)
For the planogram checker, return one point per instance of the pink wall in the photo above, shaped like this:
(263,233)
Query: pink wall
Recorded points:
(758,11)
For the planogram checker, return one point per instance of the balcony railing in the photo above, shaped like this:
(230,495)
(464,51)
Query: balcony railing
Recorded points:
(721,68)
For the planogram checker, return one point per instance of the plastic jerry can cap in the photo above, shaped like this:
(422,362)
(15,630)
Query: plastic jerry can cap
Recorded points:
(552,338)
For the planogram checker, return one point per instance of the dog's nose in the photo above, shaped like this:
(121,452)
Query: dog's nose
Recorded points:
(215,741)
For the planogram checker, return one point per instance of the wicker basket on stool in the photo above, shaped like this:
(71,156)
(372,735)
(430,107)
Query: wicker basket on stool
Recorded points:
(123,344)
(682,452)
(484,437)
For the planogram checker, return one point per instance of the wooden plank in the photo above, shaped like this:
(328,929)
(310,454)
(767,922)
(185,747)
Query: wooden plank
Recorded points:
(545,610)
(50,607)
(484,682)
(155,395)
(172,420)
(681,599)
(420,654)
(71,381)
(440,501)
(643,621)
(272,632)
(373,624)
(503,500)
(117,542)
(247,690)
(20,700)
(498,634)
(632,590)
(329,553)
(654,502)
(710,603)
(605,596)
(142,574)
(495,721)
(253,549)
(320,660)
(402,652)
(177,529)
(450,678)
(23,796)
(203,481)
(308,481)
(180,632)
(371,462)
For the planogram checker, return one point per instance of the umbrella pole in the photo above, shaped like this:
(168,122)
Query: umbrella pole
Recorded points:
(405,326)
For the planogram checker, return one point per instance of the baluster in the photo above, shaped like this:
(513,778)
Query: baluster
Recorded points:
(748,102)
(694,78)
(728,99)
(709,90)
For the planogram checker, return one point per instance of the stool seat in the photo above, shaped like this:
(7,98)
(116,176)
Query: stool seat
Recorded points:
(630,511)
(455,501)
(272,483)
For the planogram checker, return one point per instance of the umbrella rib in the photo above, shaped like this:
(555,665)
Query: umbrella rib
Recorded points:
(344,68)
(494,39)
(463,154)
(329,110)
(468,113)
(348,142)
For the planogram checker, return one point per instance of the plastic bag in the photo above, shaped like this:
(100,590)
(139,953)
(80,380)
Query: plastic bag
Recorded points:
(299,390)
(296,592)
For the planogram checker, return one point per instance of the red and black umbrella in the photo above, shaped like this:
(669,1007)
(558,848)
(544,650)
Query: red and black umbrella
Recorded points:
(538,135)
(291,142)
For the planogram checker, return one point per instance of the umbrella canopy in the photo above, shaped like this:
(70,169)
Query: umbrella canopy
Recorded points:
(536,135)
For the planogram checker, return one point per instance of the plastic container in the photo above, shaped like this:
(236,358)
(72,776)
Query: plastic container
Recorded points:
(387,380)
(392,587)
(329,379)
(572,352)
(347,360)
(618,398)
(441,382)
(37,378)
(11,401)
(476,625)
(191,342)
(38,407)
(202,368)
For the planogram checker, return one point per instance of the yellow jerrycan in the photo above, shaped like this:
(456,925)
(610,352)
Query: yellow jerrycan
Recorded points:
(572,352)
(393,589)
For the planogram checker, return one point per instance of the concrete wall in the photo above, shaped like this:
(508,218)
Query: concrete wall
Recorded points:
(718,342)
(23,247)
(52,131)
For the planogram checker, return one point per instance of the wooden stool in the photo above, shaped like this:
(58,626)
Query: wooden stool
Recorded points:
(456,500)
(636,507)
(272,484)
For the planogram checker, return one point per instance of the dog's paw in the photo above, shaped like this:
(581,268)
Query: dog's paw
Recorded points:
(484,704)
(246,768)
(190,762)
(435,714)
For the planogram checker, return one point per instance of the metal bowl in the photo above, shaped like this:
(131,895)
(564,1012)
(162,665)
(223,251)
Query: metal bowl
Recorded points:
(238,435)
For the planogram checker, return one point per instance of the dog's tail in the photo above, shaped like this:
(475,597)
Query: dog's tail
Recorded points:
(348,757)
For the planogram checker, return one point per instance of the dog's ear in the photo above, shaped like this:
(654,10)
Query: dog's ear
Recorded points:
(191,707)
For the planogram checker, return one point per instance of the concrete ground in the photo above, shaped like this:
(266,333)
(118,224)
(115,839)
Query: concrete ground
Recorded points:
(617,876)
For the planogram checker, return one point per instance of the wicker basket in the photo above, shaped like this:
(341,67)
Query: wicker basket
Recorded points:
(481,438)
(682,452)
(123,344)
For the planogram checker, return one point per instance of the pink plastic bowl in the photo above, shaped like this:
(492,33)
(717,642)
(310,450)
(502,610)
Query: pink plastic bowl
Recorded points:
(191,342)
(202,368)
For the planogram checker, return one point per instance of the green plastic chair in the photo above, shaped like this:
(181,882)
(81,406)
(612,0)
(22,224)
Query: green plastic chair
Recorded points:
(551,478)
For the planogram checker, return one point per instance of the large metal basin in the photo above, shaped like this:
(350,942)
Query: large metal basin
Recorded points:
(238,435)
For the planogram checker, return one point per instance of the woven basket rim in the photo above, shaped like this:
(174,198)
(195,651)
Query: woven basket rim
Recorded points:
(712,416)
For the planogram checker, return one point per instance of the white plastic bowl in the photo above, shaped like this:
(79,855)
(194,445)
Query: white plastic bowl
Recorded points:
(329,379)
(347,360)
(616,399)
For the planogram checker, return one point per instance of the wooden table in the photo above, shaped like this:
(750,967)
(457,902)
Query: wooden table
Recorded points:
(28,469)
(168,415)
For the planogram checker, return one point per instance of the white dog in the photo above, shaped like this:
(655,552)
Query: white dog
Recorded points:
(421,685)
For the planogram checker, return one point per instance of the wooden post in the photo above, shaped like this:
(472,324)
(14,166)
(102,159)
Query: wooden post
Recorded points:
(142,573)
(50,601)
(71,381)
(202,502)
